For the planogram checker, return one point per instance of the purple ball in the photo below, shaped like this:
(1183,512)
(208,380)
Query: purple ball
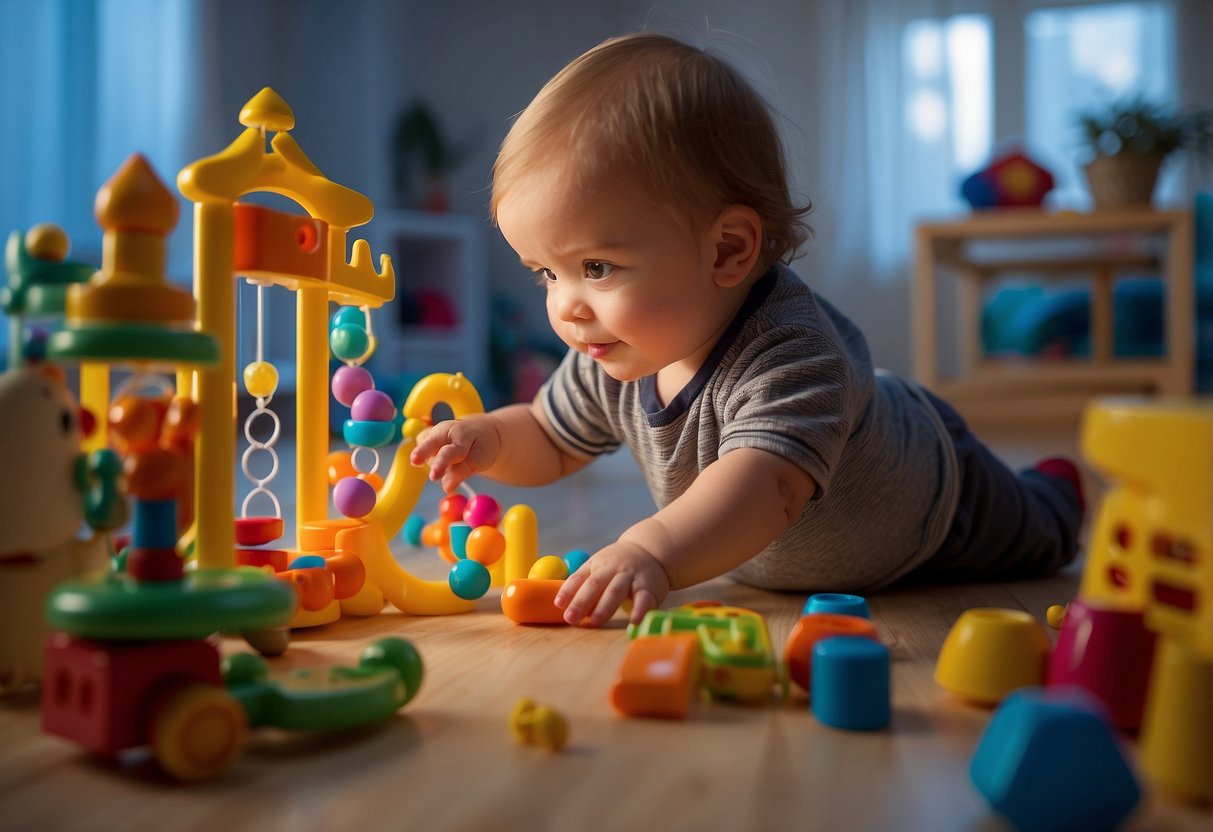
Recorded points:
(348,382)
(373,406)
(354,497)
(482,510)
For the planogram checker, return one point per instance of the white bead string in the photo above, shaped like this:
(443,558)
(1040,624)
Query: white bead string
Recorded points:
(260,484)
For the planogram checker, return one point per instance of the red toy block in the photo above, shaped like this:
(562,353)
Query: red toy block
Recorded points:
(257,531)
(278,243)
(276,559)
(104,695)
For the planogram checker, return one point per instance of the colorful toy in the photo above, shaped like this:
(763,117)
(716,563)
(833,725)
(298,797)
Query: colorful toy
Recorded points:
(60,489)
(1011,181)
(810,629)
(532,601)
(39,275)
(738,659)
(1049,761)
(1151,553)
(991,652)
(837,603)
(174,696)
(851,683)
(540,725)
(659,676)
(1110,653)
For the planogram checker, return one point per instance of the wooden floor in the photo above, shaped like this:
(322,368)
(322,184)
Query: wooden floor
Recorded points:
(448,762)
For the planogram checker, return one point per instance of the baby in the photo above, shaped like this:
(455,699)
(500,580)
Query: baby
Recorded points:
(645,188)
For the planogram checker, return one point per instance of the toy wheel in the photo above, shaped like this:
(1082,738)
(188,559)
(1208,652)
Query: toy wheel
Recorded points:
(198,732)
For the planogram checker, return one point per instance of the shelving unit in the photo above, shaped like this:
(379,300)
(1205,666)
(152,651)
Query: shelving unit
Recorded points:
(440,261)
(1098,246)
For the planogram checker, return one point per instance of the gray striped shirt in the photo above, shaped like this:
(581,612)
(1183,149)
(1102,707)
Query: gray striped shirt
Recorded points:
(792,376)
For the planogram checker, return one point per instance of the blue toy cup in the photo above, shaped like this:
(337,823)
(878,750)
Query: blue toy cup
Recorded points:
(837,603)
(850,683)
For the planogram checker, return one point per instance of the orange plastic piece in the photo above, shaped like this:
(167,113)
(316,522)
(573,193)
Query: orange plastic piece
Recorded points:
(275,242)
(313,587)
(156,474)
(530,601)
(340,466)
(485,545)
(276,559)
(258,531)
(135,423)
(810,629)
(658,676)
(436,534)
(320,535)
(348,573)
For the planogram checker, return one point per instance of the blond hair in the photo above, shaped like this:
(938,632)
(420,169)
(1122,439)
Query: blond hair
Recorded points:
(680,122)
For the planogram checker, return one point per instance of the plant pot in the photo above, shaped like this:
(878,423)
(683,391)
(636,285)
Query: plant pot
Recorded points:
(1125,180)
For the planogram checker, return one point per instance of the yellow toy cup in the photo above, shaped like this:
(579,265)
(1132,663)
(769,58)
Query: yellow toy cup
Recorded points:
(990,652)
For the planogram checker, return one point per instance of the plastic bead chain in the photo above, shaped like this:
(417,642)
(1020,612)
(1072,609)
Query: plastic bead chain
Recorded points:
(261,382)
(372,412)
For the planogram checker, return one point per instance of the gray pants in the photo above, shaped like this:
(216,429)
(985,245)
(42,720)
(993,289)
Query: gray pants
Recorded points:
(1007,525)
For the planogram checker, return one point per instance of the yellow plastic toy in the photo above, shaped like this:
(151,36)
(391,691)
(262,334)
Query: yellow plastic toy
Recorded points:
(1152,551)
(540,725)
(306,255)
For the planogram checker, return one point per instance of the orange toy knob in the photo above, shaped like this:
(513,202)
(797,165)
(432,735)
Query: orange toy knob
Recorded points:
(812,628)
(485,545)
(348,573)
(313,587)
(155,474)
(135,423)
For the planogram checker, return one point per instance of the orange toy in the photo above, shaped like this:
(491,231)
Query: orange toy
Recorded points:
(658,676)
(811,629)
(532,601)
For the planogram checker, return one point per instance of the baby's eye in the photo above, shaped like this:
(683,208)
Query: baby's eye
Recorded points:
(597,270)
(543,276)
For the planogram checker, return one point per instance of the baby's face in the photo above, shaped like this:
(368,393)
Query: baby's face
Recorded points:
(626,283)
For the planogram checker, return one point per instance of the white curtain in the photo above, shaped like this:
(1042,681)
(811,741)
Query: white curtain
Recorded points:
(83,85)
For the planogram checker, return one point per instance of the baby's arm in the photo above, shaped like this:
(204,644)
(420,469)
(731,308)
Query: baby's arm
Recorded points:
(735,507)
(507,445)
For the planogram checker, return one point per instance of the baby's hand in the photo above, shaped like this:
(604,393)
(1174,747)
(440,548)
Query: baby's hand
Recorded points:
(456,449)
(610,577)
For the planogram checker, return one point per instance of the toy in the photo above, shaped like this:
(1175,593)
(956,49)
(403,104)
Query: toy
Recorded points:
(659,676)
(539,725)
(851,683)
(1110,653)
(798,650)
(837,603)
(1049,761)
(532,601)
(738,659)
(990,652)
(1011,181)
(39,275)
(40,443)
(174,696)
(1151,553)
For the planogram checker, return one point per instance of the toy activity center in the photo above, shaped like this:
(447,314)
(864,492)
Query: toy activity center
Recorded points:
(183,617)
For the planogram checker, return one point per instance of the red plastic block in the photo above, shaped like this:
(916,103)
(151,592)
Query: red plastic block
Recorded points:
(103,695)
(257,531)
(278,243)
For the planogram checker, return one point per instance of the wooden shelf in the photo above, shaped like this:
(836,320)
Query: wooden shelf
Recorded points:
(1030,387)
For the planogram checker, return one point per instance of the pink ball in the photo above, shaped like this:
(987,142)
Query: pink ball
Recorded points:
(373,406)
(354,497)
(348,382)
(482,510)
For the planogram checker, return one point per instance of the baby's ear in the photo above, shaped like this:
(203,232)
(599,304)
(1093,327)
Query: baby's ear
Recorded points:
(737,235)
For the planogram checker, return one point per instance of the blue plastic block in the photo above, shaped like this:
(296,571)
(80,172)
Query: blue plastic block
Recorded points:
(154,524)
(1048,760)
(412,529)
(837,603)
(850,683)
(575,559)
(307,562)
(459,539)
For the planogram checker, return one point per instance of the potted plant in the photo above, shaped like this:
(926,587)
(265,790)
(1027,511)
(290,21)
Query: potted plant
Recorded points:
(1129,140)
(421,151)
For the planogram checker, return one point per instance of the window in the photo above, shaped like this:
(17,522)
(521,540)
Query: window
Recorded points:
(1080,58)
